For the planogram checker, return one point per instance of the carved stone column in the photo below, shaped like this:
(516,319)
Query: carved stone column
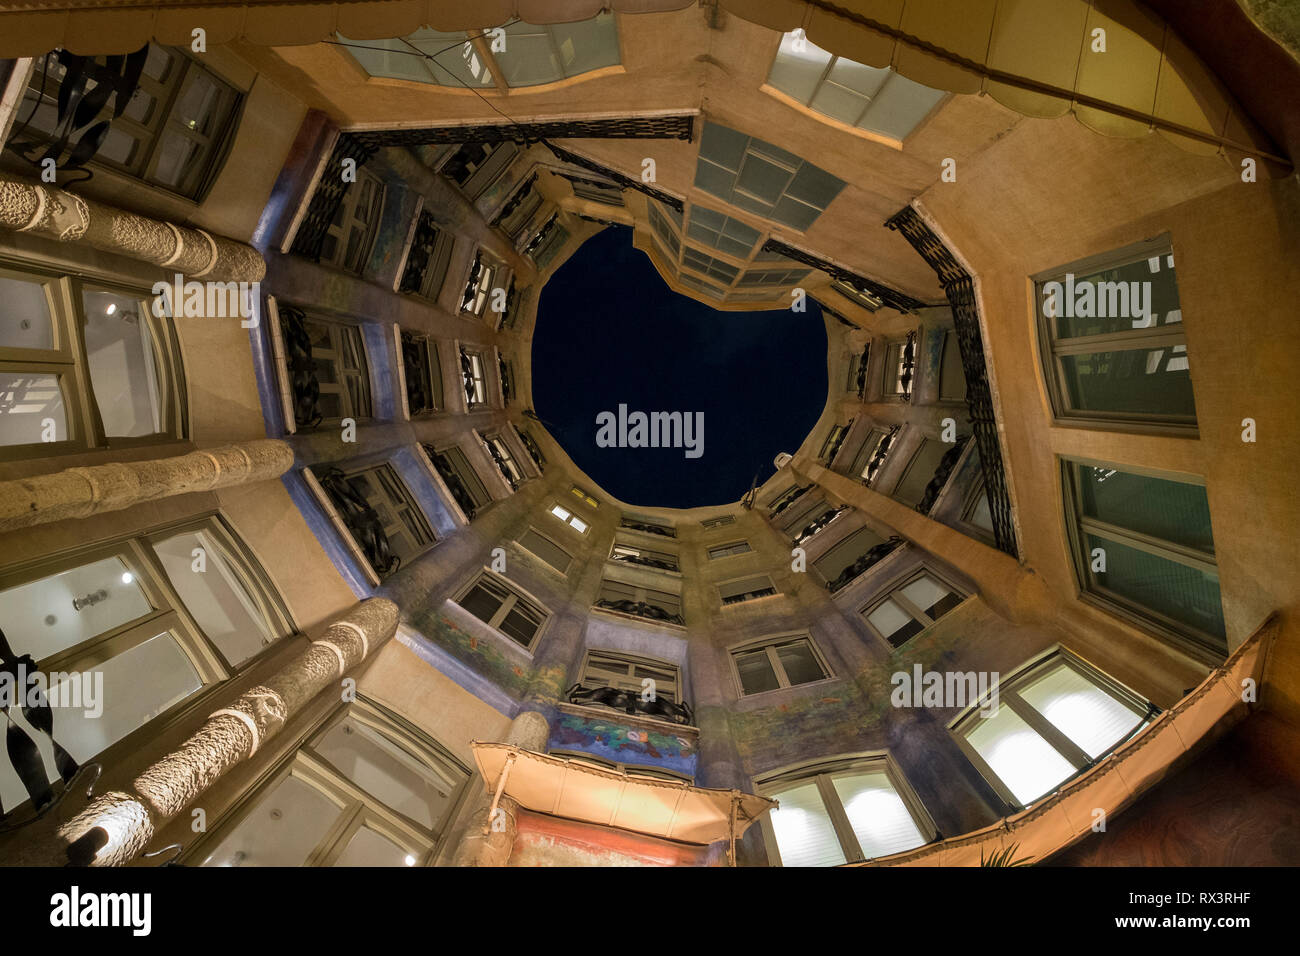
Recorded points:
(48,211)
(117,826)
(487,842)
(79,492)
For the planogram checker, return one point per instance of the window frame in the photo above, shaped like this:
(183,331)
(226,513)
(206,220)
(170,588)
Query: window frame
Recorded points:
(739,598)
(631,682)
(728,550)
(432,370)
(893,592)
(516,595)
(768,643)
(346,220)
(568,517)
(564,571)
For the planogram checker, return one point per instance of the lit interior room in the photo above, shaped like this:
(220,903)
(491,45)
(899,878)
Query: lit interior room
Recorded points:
(610,433)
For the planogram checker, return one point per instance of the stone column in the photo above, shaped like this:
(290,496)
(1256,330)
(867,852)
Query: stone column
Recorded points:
(54,213)
(80,492)
(492,848)
(116,827)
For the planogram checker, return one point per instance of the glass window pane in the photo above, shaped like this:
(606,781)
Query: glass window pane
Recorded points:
(24,315)
(982,516)
(587,45)
(888,618)
(387,772)
(1153,381)
(528,59)
(798,66)
(1094,719)
(215,596)
(177,155)
(27,401)
(1170,510)
(879,816)
(799,663)
(368,848)
(899,106)
(1026,763)
(1176,590)
(119,349)
(282,830)
(756,674)
(930,596)
(804,832)
(1137,295)
(52,614)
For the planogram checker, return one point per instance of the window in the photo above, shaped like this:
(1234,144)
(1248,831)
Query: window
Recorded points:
(546,549)
(423,373)
(546,242)
(474,375)
(339,359)
(530,445)
(859,297)
(848,559)
(952,376)
(518,211)
(1054,719)
(569,518)
(773,663)
(482,278)
(900,362)
(772,277)
(763,179)
(718,522)
(585,498)
(461,479)
(911,607)
(640,602)
(425,56)
(1111,336)
(501,455)
(187,606)
(627,672)
(747,589)
(666,234)
(865,97)
(351,234)
(367,789)
(476,167)
(497,603)
(610,194)
(699,285)
(648,526)
(427,260)
(841,812)
(173,132)
(978,513)
(535,55)
(711,267)
(831,446)
(866,465)
(1143,545)
(722,232)
(920,471)
(405,533)
(84,365)
(728,550)
(645,557)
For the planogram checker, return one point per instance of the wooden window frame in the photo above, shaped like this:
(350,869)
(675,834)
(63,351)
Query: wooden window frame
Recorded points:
(568,517)
(728,550)
(630,681)
(433,371)
(893,592)
(349,219)
(769,643)
(563,572)
(395,504)
(515,595)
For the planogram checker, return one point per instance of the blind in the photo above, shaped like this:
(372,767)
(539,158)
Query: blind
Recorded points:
(832,564)
(1026,763)
(547,550)
(804,832)
(1090,716)
(912,486)
(879,816)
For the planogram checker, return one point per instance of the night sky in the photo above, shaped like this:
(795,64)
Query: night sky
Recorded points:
(610,331)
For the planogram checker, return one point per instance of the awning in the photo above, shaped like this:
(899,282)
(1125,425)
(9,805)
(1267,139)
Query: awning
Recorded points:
(572,788)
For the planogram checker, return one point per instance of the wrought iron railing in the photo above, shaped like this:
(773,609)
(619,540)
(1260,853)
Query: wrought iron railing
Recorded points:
(361,520)
(661,530)
(500,462)
(907,374)
(536,242)
(787,499)
(942,472)
(303,383)
(674,126)
(627,182)
(519,195)
(471,284)
(960,289)
(863,563)
(890,297)
(533,449)
(420,257)
(631,702)
(879,455)
(461,494)
(324,206)
(507,379)
(470,382)
(819,523)
(651,612)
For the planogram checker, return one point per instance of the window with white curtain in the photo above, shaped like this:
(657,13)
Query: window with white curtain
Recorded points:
(1054,719)
(843,811)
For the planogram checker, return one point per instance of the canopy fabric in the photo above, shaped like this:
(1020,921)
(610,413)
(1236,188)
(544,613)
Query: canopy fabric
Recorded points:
(1054,823)
(572,788)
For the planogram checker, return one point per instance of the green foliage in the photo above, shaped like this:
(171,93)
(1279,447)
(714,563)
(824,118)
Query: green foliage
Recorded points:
(1004,857)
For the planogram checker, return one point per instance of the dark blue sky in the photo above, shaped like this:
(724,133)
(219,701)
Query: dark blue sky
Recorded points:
(610,331)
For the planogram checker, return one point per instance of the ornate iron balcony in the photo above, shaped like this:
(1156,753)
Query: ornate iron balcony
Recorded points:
(630,702)
(648,528)
(941,475)
(644,561)
(451,478)
(361,520)
(863,362)
(650,612)
(881,453)
(826,517)
(303,382)
(862,564)
(908,373)
(786,500)
(531,446)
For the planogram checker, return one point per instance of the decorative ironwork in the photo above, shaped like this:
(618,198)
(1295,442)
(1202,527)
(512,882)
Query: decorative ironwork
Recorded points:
(24,753)
(744,596)
(890,297)
(600,222)
(641,559)
(960,289)
(627,182)
(651,612)
(418,260)
(881,453)
(536,242)
(863,362)
(787,499)
(500,462)
(834,441)
(519,195)
(302,369)
(942,472)
(361,520)
(649,528)
(826,517)
(674,126)
(325,201)
(451,478)
(631,702)
(908,372)
(533,449)
(415,363)
(507,379)
(469,382)
(862,564)
(471,285)
(83,93)
(512,299)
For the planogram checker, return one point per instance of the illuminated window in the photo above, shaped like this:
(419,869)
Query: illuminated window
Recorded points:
(844,811)
(474,377)
(911,607)
(569,518)
(867,97)
(585,498)
(1054,719)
